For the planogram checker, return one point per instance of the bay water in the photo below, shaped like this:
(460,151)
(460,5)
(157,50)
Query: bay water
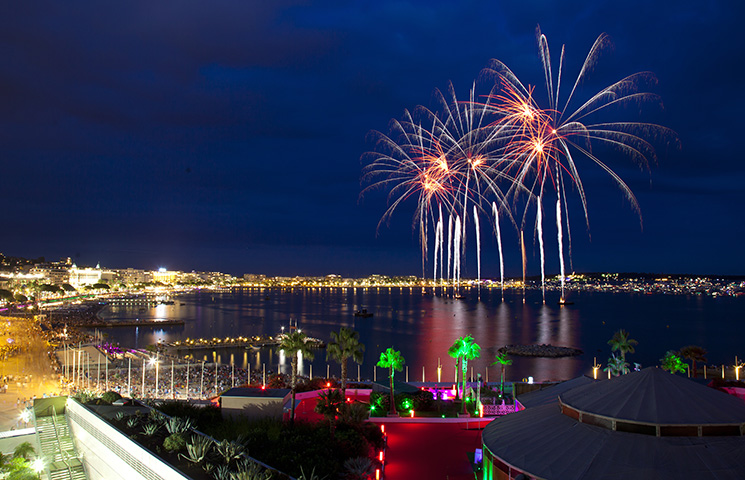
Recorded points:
(423,325)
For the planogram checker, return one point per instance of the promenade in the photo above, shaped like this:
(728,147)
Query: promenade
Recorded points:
(27,371)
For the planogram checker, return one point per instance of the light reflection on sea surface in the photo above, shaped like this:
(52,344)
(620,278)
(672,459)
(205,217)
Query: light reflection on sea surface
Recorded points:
(424,326)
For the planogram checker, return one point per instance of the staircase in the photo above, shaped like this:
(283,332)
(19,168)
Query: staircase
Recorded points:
(58,449)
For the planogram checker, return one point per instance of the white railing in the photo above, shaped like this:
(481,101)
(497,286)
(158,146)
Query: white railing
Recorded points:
(498,410)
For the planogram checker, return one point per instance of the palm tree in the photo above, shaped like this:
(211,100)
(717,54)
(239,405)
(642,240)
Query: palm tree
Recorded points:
(617,365)
(694,353)
(465,349)
(24,450)
(293,344)
(344,345)
(672,363)
(503,360)
(394,362)
(622,343)
(329,403)
(454,352)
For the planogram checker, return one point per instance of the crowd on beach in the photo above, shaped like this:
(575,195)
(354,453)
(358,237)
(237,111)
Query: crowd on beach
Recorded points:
(181,380)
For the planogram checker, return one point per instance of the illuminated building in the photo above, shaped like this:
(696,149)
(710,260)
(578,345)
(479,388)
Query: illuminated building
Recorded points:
(165,276)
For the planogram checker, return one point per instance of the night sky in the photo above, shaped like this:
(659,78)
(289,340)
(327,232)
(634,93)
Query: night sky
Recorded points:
(227,135)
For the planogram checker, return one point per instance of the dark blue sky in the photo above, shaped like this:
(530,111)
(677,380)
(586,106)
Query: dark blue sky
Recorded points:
(227,135)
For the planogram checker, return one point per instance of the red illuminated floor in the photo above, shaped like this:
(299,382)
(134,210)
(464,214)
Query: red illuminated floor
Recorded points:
(431,450)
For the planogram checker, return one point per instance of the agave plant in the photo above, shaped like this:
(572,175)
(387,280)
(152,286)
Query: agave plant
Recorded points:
(354,413)
(250,470)
(150,429)
(358,468)
(198,450)
(222,472)
(132,422)
(156,416)
(179,424)
(119,416)
(311,476)
(230,451)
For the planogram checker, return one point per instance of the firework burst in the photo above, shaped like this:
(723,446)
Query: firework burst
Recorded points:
(489,154)
(546,143)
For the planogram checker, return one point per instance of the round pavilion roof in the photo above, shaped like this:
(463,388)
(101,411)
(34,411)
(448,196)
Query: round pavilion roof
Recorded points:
(655,397)
(551,442)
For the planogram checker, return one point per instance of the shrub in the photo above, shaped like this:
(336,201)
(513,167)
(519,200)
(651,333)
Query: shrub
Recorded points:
(175,442)
(317,384)
(277,381)
(110,397)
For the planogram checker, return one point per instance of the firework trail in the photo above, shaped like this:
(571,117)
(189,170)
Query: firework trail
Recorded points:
(539,227)
(495,211)
(478,246)
(457,247)
(450,242)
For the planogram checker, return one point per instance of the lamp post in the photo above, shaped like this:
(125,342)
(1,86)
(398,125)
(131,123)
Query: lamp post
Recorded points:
(38,466)
(595,367)
(129,378)
(201,385)
(157,372)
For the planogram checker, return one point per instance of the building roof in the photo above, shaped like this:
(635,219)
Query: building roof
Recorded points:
(550,394)
(256,392)
(656,397)
(548,442)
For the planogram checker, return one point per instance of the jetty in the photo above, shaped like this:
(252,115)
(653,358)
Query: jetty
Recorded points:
(148,322)
(214,343)
(550,351)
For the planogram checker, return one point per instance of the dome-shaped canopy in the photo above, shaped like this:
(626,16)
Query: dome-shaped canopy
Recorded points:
(655,402)
(644,425)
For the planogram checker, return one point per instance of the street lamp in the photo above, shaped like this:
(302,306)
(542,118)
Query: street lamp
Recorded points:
(38,466)
(25,416)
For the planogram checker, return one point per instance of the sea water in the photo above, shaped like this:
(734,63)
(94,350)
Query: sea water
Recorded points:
(424,324)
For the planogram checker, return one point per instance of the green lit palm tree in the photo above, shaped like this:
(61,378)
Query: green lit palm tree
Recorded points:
(622,343)
(503,360)
(694,353)
(345,345)
(295,343)
(466,349)
(394,362)
(454,352)
(672,363)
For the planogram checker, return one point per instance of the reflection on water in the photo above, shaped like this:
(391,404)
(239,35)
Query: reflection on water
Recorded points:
(423,326)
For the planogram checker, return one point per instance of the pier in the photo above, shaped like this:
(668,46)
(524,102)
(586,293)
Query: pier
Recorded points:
(214,343)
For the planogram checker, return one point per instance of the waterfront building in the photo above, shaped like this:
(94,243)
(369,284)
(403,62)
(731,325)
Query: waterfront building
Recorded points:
(254,278)
(80,277)
(52,273)
(165,276)
(134,276)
